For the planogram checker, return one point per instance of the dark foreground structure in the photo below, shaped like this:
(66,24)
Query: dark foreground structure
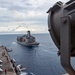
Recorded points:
(61,24)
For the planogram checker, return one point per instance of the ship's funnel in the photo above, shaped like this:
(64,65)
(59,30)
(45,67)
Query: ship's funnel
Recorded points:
(61,24)
(28,33)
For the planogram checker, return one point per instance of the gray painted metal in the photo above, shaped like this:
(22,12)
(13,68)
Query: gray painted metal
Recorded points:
(61,24)
(65,44)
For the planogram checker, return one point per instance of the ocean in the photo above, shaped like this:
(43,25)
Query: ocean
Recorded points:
(40,60)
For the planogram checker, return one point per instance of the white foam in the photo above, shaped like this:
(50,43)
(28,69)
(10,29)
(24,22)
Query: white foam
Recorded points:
(66,74)
(14,43)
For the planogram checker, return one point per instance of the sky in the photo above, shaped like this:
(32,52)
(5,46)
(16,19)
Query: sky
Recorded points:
(18,16)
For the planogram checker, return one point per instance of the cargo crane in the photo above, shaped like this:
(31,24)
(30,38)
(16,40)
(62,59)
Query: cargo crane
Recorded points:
(61,25)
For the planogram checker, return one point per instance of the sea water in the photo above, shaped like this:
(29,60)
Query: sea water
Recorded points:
(40,60)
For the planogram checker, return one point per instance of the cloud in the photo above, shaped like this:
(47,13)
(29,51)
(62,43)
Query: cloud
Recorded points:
(29,13)
(18,28)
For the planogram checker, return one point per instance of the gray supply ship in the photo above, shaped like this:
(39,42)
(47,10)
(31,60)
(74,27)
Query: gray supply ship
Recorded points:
(27,40)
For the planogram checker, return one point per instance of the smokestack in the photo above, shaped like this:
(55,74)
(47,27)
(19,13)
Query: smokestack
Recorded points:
(28,33)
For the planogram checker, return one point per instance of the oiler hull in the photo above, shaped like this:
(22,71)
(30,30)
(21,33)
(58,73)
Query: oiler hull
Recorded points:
(28,44)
